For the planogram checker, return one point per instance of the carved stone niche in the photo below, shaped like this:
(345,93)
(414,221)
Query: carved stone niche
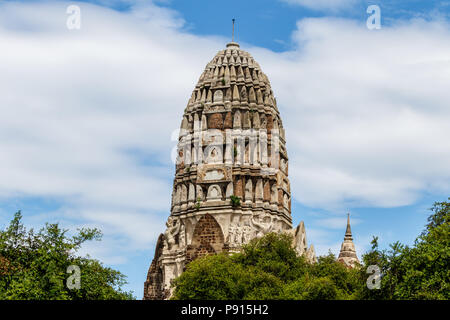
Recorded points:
(213,154)
(214,193)
(213,173)
(218,96)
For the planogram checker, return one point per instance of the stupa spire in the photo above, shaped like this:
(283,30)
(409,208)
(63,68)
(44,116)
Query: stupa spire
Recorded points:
(347,255)
(348,231)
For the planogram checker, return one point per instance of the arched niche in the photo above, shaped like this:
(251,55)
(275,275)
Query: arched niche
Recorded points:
(207,238)
(214,192)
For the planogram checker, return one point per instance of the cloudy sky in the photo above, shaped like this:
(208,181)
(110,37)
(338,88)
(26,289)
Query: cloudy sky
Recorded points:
(87,115)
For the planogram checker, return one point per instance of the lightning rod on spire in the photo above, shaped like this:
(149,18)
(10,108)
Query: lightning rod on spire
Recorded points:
(232,35)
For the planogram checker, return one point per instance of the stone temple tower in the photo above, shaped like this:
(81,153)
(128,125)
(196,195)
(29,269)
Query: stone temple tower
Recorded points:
(347,255)
(231,182)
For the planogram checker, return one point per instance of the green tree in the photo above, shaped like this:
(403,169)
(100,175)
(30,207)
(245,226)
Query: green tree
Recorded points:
(312,288)
(418,272)
(343,278)
(273,254)
(426,266)
(388,261)
(219,277)
(266,268)
(33,265)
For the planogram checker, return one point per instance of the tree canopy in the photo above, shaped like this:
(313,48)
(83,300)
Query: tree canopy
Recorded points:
(34,266)
(421,271)
(268,268)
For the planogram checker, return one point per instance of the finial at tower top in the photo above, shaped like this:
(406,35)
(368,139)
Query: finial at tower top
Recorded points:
(232,35)
(348,232)
(232,44)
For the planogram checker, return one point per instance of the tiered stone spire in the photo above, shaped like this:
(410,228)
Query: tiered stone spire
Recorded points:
(231,182)
(347,255)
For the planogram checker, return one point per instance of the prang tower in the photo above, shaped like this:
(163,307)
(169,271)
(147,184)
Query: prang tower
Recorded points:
(231,182)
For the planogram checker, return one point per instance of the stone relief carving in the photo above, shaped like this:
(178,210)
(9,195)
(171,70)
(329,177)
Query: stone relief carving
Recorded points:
(173,228)
(239,234)
(262,225)
(247,233)
(235,235)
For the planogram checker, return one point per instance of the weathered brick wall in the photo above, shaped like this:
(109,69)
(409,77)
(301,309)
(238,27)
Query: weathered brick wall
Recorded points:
(154,286)
(215,121)
(207,238)
(238,188)
(228,123)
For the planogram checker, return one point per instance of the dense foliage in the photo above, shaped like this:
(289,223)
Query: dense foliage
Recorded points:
(418,272)
(268,268)
(33,265)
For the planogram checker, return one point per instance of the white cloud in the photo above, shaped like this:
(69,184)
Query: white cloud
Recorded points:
(86,116)
(332,5)
(366,112)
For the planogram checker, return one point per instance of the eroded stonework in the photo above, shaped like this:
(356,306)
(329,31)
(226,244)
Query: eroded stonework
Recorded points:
(231,144)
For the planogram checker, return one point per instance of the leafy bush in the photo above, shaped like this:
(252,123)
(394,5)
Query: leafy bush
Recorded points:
(311,288)
(266,268)
(417,272)
(33,266)
(235,201)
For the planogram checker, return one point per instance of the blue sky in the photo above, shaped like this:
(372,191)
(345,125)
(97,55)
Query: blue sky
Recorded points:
(86,116)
